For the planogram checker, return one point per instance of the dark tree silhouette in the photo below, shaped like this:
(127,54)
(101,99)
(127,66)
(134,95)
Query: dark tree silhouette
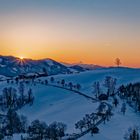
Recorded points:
(118,62)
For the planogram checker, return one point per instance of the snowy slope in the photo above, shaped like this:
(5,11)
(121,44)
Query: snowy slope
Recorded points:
(12,66)
(117,127)
(54,104)
(83,66)
(86,79)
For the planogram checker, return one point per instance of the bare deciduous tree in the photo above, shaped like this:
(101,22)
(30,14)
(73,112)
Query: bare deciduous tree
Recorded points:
(118,62)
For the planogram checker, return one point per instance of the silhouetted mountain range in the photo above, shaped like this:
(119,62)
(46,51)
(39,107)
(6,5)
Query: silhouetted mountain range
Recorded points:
(12,66)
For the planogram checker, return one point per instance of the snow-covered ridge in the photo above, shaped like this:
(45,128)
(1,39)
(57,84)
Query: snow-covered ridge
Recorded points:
(12,66)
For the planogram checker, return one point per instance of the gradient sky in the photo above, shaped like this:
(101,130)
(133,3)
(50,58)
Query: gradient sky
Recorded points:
(91,31)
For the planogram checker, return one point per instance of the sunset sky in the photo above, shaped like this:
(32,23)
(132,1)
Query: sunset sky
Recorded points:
(91,31)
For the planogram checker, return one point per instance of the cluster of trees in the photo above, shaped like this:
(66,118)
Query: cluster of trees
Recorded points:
(87,122)
(104,111)
(27,78)
(12,123)
(41,131)
(109,83)
(72,86)
(23,78)
(32,77)
(90,120)
(62,83)
(69,85)
(131,93)
(37,130)
(13,99)
(132,134)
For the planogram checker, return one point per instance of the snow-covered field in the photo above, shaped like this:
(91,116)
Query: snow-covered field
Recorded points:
(54,104)
(118,126)
(86,79)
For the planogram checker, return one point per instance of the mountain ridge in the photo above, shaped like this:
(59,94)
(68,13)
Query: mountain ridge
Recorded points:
(13,66)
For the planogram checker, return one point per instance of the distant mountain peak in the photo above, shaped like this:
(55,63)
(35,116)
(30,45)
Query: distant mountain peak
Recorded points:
(83,65)
(12,66)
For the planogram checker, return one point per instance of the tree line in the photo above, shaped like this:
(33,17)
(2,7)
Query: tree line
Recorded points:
(131,93)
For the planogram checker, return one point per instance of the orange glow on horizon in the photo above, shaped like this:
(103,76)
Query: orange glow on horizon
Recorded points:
(93,32)
(90,53)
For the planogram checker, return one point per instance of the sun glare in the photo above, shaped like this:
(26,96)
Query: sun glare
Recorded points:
(21,57)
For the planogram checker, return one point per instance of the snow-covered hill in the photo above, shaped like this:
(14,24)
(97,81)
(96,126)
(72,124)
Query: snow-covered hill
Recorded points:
(82,67)
(12,66)
(56,104)
(76,106)
(86,79)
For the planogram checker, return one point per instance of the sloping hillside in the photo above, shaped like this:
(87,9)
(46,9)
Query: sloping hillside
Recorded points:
(12,66)
(56,104)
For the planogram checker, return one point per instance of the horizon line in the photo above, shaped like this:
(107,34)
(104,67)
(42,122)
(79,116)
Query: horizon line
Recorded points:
(72,63)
